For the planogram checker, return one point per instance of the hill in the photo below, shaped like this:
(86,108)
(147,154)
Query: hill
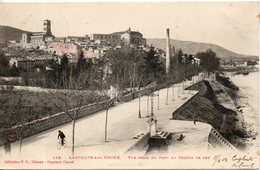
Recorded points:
(10,33)
(191,47)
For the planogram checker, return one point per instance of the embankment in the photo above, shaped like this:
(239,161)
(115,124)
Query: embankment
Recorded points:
(48,122)
(52,121)
(216,105)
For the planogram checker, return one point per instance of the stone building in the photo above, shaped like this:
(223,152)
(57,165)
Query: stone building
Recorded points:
(127,37)
(38,39)
(110,38)
(196,61)
(30,65)
(132,38)
(76,38)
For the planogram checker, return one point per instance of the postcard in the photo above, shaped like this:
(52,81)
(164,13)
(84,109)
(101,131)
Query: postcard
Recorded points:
(127,85)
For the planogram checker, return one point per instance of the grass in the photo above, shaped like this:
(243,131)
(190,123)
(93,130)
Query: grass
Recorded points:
(16,106)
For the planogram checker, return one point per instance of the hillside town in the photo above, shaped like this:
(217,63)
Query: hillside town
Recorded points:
(115,94)
(39,51)
(93,47)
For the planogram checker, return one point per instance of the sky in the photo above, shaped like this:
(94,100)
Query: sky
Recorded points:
(232,25)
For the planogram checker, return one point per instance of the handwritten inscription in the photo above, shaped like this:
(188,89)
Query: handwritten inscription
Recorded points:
(243,162)
(235,161)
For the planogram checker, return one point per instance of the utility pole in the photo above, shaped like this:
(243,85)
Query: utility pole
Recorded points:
(158,99)
(147,105)
(183,87)
(139,96)
(167,95)
(106,124)
(134,77)
(179,89)
(172,92)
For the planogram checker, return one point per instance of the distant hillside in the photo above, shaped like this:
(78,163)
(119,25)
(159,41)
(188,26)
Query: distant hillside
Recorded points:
(194,47)
(10,33)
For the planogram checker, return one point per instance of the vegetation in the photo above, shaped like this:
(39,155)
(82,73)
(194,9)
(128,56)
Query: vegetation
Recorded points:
(123,68)
(4,65)
(74,84)
(208,60)
(129,68)
(14,71)
(153,67)
(20,107)
(251,63)
(72,102)
(38,104)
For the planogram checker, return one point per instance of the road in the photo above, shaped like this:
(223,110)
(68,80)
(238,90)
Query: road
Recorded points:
(123,124)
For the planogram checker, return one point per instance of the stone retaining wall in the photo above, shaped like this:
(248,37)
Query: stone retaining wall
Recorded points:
(182,107)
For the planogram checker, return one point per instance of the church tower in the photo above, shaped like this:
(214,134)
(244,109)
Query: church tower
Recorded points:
(47,27)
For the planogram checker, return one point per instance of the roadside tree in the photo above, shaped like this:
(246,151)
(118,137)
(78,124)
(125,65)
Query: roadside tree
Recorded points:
(208,60)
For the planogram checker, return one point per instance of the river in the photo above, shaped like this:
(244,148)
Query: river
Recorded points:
(249,86)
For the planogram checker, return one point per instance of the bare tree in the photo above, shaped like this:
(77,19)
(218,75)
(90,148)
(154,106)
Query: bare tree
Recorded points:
(107,104)
(71,101)
(21,111)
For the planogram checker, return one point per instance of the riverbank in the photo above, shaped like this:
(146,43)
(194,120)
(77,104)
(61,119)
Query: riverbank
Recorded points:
(249,97)
(219,104)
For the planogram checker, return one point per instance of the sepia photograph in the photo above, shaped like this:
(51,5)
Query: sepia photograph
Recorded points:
(129,85)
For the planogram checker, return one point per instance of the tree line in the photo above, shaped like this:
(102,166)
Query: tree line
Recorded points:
(124,68)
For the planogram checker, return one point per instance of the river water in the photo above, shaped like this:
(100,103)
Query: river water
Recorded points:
(249,86)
